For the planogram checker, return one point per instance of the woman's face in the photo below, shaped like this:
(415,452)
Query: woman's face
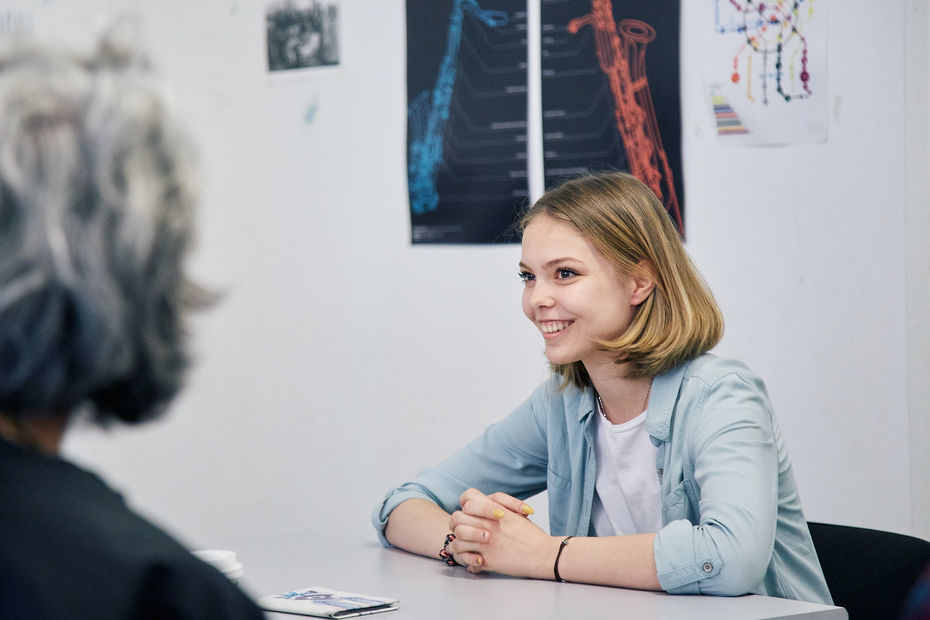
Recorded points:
(573,293)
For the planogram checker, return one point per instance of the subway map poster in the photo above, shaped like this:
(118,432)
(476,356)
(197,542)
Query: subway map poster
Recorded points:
(766,71)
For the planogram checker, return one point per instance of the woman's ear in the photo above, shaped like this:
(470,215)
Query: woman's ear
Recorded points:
(644,283)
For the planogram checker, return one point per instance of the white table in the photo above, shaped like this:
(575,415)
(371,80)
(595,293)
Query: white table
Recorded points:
(429,589)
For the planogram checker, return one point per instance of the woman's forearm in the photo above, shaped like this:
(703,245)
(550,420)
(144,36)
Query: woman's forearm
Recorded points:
(626,561)
(418,526)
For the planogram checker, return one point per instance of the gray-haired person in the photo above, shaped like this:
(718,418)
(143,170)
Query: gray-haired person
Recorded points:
(97,187)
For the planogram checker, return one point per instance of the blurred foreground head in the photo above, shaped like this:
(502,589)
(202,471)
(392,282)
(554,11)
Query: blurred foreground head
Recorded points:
(97,186)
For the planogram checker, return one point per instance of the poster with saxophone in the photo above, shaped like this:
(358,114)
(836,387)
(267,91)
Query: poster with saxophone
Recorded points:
(610,93)
(466,119)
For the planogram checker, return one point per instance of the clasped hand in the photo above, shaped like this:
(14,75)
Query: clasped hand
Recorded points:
(492,533)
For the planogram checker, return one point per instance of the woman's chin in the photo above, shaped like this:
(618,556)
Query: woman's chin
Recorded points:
(558,358)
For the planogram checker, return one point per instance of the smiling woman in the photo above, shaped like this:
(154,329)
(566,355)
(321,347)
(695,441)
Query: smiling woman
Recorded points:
(624,225)
(664,464)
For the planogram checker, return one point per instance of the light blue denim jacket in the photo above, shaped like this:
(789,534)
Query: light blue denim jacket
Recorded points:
(731,513)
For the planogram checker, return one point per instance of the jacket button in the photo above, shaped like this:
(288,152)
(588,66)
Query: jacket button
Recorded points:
(661,471)
(708,567)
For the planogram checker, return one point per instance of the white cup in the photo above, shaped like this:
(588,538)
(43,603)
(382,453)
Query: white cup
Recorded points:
(223,560)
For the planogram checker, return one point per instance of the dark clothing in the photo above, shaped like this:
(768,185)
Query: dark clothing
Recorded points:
(71,548)
(917,605)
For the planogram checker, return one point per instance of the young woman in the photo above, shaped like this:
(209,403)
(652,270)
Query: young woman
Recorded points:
(664,465)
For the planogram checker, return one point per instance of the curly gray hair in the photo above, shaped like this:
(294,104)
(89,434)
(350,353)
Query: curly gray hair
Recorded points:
(97,188)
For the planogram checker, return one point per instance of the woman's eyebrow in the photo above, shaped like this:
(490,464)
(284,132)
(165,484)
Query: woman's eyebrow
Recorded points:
(564,259)
(554,261)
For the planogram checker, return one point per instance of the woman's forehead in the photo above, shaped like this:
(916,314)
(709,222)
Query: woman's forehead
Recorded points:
(548,239)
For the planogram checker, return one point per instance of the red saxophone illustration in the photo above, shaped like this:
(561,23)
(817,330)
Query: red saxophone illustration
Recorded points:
(622,56)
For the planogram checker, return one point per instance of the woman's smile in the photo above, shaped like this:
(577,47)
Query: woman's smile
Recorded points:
(551,329)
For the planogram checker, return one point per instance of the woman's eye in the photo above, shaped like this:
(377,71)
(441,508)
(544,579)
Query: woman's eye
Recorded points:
(526,276)
(564,274)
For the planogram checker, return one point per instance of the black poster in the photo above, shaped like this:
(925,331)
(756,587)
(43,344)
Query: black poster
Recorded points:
(466,119)
(610,92)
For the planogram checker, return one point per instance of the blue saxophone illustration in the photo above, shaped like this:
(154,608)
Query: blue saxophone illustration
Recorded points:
(429,111)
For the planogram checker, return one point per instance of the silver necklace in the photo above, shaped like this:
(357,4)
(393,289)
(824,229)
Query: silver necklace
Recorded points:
(604,409)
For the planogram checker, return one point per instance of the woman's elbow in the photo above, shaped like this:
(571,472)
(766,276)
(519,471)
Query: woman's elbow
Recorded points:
(736,578)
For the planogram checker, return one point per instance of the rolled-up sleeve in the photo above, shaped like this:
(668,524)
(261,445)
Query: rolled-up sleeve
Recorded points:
(510,456)
(725,548)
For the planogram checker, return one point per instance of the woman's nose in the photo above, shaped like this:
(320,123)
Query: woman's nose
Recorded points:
(541,295)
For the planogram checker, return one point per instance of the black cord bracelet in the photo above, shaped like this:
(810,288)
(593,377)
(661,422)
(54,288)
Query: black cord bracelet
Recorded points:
(555,567)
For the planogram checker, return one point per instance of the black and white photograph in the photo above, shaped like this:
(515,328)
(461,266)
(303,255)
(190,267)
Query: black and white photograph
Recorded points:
(302,34)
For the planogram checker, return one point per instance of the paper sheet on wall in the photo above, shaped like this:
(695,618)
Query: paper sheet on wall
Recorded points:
(766,71)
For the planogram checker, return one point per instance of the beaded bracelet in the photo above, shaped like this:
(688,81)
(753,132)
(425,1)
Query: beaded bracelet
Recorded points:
(444,555)
(555,567)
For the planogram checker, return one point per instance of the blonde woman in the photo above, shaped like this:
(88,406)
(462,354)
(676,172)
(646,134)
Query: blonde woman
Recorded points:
(664,465)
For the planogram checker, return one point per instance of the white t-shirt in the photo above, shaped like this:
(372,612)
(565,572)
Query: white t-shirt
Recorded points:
(627,497)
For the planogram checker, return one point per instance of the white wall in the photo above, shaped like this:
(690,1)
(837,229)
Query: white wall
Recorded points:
(343,360)
(805,247)
(917,184)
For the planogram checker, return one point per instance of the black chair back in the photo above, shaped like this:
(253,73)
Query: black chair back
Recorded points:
(869,572)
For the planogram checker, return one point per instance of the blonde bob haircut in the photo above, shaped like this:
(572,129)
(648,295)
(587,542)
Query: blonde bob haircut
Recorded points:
(624,220)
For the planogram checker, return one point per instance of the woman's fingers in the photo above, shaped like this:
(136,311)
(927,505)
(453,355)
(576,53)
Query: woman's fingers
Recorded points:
(470,560)
(511,503)
(493,506)
(467,539)
(470,533)
(477,504)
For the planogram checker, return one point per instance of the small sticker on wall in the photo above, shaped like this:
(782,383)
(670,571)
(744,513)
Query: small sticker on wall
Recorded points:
(15,23)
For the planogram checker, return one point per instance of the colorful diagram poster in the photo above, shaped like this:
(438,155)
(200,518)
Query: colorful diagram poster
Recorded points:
(766,71)
(466,119)
(610,93)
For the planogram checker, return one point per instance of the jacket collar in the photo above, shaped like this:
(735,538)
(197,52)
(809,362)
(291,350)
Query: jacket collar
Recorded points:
(662,400)
(587,403)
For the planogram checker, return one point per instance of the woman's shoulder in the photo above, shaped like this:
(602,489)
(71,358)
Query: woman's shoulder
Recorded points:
(724,389)
(712,369)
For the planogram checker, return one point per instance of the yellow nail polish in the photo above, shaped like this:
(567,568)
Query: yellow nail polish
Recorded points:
(499,513)
(527,509)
